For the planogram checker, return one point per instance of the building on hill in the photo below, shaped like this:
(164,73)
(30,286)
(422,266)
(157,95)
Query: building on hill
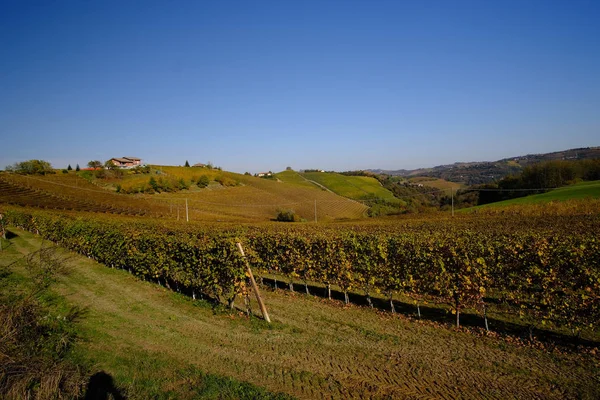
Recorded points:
(199,165)
(126,162)
(263,174)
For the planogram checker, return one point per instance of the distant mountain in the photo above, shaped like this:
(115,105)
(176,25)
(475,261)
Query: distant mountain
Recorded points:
(473,173)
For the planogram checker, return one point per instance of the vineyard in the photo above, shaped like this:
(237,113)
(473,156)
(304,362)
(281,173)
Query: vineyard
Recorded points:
(250,200)
(543,268)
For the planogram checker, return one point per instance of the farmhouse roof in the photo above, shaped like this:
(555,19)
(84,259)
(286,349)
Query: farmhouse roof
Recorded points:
(122,159)
(133,158)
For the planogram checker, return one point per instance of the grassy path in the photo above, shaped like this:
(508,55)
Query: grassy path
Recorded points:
(149,339)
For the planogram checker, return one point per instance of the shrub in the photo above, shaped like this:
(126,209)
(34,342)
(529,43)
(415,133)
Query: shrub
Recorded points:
(225,181)
(287,216)
(203,181)
(153,184)
(34,343)
(182,185)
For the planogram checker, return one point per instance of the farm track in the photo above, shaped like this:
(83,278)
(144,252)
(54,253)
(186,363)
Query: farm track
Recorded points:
(317,348)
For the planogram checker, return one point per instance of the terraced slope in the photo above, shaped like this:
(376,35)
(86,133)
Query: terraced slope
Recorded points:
(42,193)
(251,199)
(256,198)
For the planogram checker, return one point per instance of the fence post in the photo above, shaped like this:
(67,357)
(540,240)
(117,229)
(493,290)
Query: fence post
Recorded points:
(263,309)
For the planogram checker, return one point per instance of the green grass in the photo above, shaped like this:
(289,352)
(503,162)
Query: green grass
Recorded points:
(578,191)
(353,187)
(138,372)
(293,178)
(159,344)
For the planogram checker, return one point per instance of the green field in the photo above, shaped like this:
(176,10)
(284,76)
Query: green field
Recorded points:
(156,343)
(352,187)
(581,190)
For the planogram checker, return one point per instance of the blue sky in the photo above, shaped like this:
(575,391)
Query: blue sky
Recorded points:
(262,85)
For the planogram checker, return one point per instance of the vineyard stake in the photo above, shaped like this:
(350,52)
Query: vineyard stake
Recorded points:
(263,309)
(187,219)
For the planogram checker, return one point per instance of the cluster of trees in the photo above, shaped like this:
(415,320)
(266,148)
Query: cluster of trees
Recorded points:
(541,176)
(31,167)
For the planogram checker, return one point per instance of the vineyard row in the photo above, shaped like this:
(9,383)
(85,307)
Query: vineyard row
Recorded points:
(551,277)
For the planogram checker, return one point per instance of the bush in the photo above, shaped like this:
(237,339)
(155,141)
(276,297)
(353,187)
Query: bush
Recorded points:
(203,181)
(182,185)
(225,181)
(34,343)
(287,216)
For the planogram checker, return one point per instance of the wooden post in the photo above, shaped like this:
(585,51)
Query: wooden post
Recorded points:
(187,218)
(263,309)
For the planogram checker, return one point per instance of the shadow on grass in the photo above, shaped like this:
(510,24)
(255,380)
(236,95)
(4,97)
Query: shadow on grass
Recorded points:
(101,387)
(440,315)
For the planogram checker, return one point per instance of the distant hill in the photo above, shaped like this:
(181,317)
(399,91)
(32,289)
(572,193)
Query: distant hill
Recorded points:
(472,173)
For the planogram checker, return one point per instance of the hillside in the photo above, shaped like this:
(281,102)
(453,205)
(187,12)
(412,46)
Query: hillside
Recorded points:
(472,173)
(578,191)
(352,187)
(228,196)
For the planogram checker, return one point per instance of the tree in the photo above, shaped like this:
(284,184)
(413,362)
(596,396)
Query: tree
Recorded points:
(94,164)
(187,164)
(108,164)
(69,168)
(77,168)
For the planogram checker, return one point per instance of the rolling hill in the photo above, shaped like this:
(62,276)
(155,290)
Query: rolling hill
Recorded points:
(228,197)
(353,187)
(472,173)
(578,191)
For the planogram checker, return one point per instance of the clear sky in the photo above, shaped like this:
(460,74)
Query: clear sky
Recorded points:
(262,85)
